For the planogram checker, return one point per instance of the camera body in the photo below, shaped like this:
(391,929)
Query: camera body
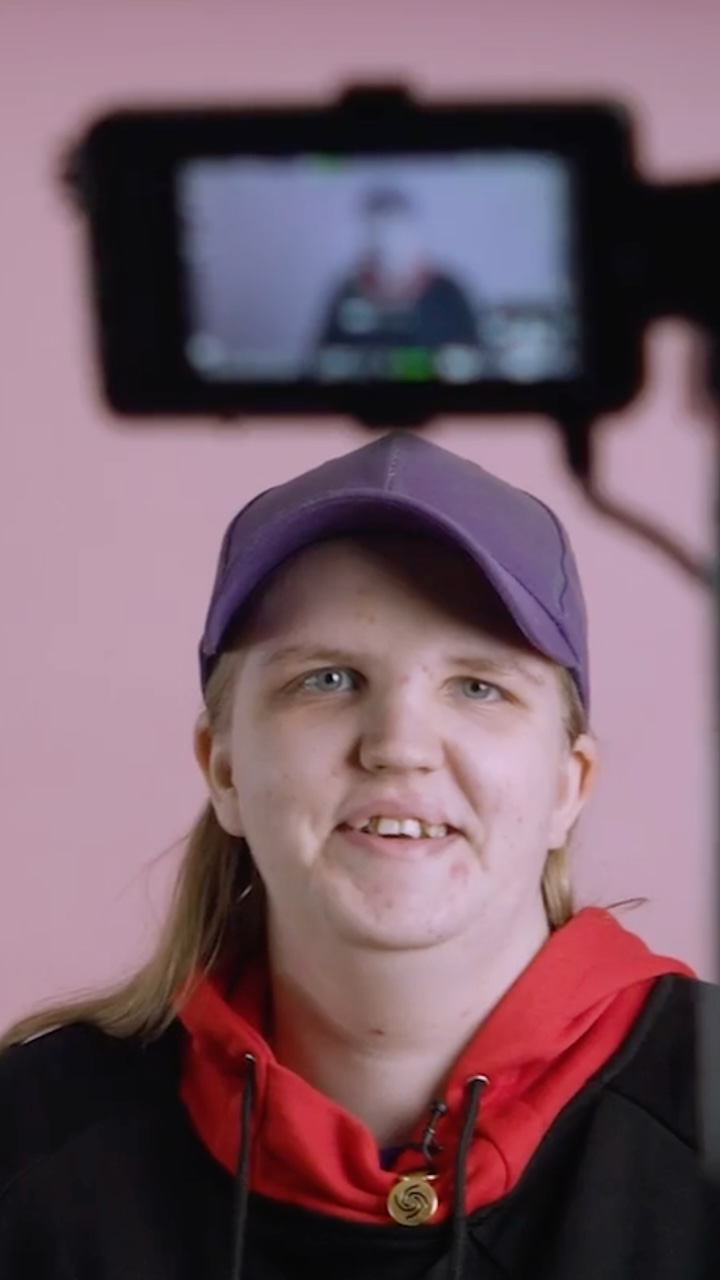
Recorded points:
(381,258)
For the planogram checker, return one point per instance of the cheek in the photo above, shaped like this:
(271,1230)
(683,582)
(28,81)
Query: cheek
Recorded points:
(516,794)
(267,788)
(294,749)
(258,777)
(280,781)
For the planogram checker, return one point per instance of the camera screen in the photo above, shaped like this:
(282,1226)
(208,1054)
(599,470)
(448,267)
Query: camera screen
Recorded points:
(445,268)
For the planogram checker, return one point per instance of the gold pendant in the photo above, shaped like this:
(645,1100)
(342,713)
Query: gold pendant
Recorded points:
(412,1201)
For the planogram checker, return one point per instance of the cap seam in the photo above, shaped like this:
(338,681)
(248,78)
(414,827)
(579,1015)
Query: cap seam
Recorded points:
(563,559)
(393,464)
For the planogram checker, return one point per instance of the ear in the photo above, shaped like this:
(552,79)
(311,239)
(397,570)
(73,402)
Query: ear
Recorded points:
(213,757)
(577,775)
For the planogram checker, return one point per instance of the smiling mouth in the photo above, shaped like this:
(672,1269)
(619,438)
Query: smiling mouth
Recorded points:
(400,845)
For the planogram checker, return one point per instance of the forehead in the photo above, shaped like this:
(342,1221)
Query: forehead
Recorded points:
(370,569)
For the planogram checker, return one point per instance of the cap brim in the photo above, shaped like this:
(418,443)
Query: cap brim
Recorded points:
(355,512)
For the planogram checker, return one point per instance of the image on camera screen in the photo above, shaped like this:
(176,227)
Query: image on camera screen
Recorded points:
(452,268)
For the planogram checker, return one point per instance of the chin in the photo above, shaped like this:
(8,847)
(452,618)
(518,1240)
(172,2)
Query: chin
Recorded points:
(393,930)
(389,944)
(399,908)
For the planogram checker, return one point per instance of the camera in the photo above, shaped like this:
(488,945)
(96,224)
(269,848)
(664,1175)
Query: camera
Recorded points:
(381,257)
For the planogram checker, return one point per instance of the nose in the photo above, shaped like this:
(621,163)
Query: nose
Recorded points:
(399,733)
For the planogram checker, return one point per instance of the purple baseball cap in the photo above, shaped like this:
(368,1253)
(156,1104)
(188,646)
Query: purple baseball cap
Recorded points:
(403,481)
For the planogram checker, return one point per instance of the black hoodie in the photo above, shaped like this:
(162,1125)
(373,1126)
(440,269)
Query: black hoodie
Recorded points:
(567,1150)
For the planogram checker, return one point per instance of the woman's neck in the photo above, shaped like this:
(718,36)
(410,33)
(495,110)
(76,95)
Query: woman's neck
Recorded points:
(378,1033)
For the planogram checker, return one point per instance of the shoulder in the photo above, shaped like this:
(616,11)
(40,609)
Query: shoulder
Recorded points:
(657,1067)
(55,1088)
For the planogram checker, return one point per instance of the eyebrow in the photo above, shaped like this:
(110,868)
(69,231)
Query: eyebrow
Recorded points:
(307,653)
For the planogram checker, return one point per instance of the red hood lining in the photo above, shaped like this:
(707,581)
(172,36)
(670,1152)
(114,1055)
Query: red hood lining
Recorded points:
(562,1019)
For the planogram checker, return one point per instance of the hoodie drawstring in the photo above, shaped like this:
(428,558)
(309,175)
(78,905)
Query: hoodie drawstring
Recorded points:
(474,1087)
(243,1165)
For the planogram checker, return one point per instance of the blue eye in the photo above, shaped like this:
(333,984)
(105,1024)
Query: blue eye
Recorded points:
(325,686)
(488,692)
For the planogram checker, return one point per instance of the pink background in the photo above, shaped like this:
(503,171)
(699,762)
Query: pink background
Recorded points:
(110,532)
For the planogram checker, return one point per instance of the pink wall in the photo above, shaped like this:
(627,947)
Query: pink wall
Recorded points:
(109,534)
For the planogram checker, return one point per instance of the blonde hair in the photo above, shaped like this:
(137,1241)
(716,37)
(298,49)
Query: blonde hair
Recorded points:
(219,900)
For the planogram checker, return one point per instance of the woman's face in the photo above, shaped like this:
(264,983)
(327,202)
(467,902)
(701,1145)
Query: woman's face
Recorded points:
(377,679)
(395,243)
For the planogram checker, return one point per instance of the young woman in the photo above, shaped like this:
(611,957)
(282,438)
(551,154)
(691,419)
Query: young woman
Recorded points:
(377,1037)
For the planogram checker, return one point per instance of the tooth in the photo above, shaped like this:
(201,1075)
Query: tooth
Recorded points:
(412,827)
(396,827)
